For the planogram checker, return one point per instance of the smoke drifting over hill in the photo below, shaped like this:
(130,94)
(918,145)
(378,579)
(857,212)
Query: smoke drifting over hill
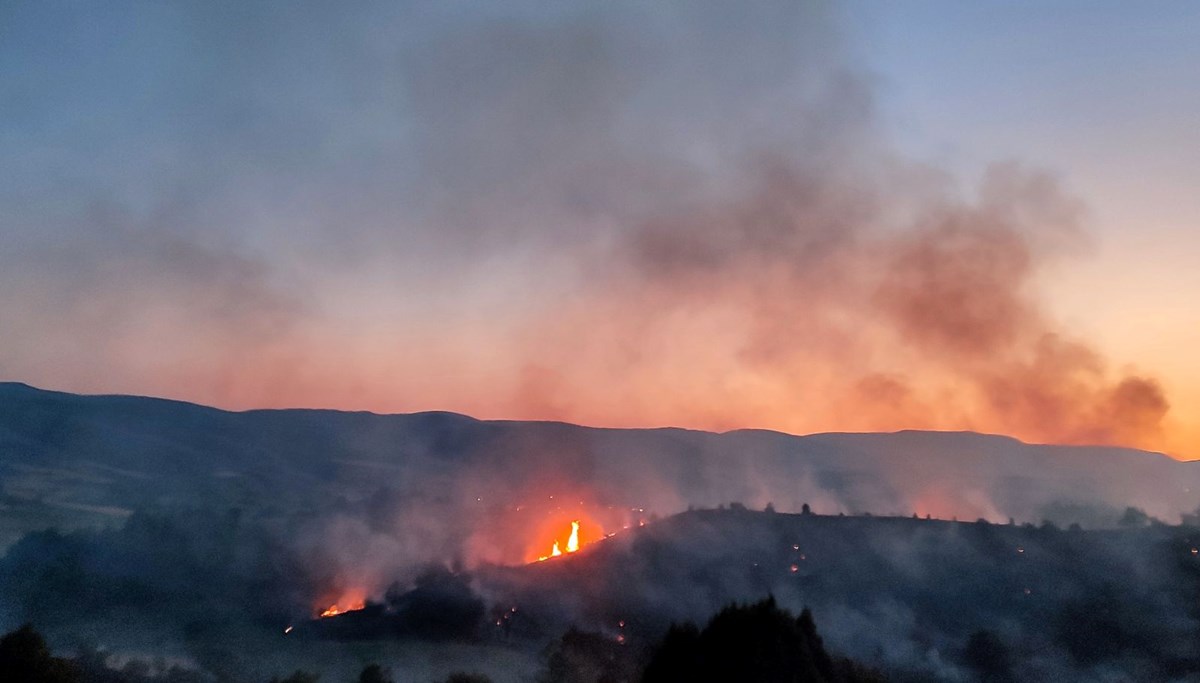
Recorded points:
(801,273)
(418,536)
(627,214)
(677,214)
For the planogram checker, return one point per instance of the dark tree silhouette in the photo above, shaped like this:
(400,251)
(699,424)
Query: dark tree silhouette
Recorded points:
(24,656)
(299,677)
(1100,626)
(467,678)
(1134,517)
(373,673)
(758,642)
(989,657)
(677,657)
(1190,519)
(582,657)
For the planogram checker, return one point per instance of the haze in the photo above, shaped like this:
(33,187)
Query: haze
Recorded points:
(806,218)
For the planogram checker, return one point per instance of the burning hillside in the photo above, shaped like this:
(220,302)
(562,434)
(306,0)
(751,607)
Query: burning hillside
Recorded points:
(887,590)
(347,604)
(572,543)
(567,538)
(903,576)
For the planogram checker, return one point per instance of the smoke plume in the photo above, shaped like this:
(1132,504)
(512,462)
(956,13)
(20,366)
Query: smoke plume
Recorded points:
(623,214)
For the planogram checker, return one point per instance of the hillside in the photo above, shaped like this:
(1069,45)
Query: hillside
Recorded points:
(901,595)
(69,459)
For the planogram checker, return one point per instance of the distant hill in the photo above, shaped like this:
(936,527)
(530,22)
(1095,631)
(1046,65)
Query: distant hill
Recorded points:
(68,460)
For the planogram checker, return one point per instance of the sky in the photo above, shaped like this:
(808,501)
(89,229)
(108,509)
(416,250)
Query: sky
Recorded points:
(797,216)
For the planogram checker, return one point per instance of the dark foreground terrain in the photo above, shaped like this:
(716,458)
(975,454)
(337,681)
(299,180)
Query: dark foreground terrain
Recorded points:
(910,599)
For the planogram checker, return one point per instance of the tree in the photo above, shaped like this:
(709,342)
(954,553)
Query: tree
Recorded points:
(758,642)
(460,677)
(805,509)
(1192,519)
(373,673)
(678,657)
(1134,517)
(299,676)
(587,657)
(989,657)
(24,656)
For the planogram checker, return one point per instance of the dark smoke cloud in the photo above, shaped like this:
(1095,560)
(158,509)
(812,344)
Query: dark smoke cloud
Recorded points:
(634,214)
(828,265)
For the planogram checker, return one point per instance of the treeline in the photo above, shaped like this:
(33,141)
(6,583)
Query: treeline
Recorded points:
(757,642)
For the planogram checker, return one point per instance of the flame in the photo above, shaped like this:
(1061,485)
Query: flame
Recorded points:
(336,609)
(572,543)
(350,601)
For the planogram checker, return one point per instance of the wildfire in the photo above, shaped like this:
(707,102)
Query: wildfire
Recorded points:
(335,609)
(573,539)
(350,602)
(572,543)
(562,531)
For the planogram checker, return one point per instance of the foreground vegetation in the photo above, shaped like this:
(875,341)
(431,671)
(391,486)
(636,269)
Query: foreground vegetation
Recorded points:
(756,642)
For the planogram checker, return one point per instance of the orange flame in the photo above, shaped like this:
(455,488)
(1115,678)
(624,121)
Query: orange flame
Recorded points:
(572,543)
(349,602)
(335,609)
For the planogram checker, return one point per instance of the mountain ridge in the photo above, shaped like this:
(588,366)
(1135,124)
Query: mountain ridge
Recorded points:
(505,421)
(62,451)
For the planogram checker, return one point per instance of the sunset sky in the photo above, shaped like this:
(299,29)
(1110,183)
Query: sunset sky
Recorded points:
(804,217)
